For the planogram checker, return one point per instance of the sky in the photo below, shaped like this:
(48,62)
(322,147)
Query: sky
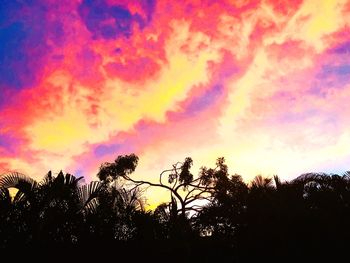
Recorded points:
(263,83)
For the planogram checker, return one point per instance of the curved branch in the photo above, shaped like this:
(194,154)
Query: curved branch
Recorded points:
(191,184)
(194,198)
(161,174)
(159,185)
(189,192)
(202,191)
(174,169)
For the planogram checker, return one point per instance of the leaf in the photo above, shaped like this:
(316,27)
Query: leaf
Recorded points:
(47,179)
(5,196)
(20,181)
(88,195)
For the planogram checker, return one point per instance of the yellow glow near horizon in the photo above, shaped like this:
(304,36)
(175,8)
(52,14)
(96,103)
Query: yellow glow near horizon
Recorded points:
(265,86)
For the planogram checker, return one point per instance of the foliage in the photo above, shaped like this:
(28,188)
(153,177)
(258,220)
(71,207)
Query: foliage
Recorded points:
(213,211)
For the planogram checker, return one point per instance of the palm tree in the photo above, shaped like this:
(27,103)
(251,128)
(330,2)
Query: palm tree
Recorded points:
(15,211)
(51,210)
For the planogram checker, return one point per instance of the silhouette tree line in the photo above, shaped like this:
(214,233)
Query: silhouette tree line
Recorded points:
(211,216)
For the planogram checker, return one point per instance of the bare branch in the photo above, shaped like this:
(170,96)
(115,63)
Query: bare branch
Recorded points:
(161,175)
(197,197)
(159,185)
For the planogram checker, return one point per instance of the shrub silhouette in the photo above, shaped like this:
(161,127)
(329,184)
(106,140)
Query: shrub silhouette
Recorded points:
(236,221)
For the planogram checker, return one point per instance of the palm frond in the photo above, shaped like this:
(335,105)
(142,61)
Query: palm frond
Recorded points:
(88,195)
(261,182)
(130,198)
(47,179)
(5,195)
(91,206)
(277,181)
(346,175)
(19,197)
(72,180)
(17,180)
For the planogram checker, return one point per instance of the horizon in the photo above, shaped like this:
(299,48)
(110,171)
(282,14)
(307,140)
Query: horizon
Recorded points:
(264,84)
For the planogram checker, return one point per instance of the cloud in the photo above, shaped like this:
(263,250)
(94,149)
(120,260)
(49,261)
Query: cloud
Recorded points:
(263,83)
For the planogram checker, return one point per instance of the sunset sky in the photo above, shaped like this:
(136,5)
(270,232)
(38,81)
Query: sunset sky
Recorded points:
(265,84)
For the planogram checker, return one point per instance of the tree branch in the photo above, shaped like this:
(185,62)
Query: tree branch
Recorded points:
(158,185)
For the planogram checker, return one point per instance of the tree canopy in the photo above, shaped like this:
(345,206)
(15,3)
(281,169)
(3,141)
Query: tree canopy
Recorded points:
(208,216)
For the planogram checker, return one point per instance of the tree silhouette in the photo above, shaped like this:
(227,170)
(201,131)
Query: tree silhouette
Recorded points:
(184,189)
(230,220)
